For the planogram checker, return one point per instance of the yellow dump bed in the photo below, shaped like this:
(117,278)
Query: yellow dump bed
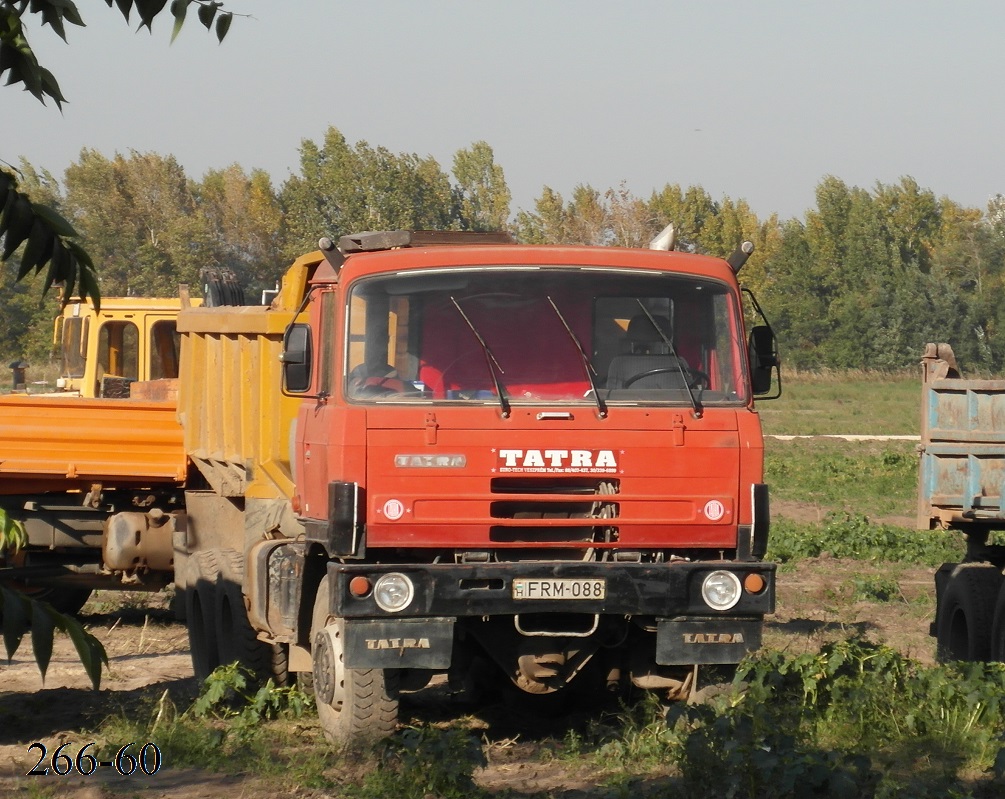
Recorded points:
(235,418)
(54,443)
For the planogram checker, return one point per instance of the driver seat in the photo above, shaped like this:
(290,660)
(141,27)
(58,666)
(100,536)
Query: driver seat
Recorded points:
(647,350)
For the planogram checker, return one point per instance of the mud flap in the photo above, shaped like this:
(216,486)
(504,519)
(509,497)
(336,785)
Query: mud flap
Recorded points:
(705,641)
(399,644)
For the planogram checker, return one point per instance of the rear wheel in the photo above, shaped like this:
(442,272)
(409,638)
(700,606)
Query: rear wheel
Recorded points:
(236,638)
(966,613)
(202,571)
(354,705)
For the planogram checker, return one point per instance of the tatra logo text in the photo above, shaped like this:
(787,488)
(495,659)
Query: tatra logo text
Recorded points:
(577,461)
(713,638)
(397,643)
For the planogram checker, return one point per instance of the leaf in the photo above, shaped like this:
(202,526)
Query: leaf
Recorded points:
(179,8)
(13,536)
(63,262)
(18,225)
(43,629)
(89,649)
(223,25)
(207,13)
(15,619)
(60,226)
(148,10)
(38,249)
(125,6)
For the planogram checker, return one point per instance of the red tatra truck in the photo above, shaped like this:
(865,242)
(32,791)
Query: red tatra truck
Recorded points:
(541,458)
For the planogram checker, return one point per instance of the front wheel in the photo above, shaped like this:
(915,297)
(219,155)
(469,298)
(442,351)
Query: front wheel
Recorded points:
(354,705)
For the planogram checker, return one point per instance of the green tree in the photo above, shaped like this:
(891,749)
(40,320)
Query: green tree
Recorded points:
(482,193)
(140,219)
(245,223)
(345,188)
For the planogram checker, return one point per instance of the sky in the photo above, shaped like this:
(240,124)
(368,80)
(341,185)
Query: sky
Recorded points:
(756,100)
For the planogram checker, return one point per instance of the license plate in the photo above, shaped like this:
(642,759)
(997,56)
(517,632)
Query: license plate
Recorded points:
(527,588)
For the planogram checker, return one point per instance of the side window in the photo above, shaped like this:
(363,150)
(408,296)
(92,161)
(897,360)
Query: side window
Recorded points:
(118,349)
(328,307)
(164,346)
(74,345)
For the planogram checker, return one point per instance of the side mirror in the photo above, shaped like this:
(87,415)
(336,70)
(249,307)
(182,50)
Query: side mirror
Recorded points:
(763,349)
(296,358)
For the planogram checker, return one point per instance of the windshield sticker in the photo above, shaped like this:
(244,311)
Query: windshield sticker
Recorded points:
(557,461)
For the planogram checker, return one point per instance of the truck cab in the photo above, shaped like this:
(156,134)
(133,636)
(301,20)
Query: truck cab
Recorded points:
(129,340)
(547,457)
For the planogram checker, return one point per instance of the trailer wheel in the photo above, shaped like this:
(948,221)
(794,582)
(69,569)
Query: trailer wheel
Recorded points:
(354,705)
(202,571)
(966,613)
(237,639)
(998,628)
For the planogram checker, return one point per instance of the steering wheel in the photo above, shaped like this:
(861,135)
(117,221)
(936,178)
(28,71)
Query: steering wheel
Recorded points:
(378,387)
(694,378)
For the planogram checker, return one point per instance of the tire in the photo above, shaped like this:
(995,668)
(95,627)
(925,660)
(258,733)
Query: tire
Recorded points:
(998,628)
(966,613)
(236,638)
(363,707)
(202,572)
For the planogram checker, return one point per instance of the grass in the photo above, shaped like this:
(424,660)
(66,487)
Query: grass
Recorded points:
(867,478)
(857,403)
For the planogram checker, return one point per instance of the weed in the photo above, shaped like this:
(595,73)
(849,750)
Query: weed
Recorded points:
(853,719)
(222,729)
(426,761)
(845,536)
(874,589)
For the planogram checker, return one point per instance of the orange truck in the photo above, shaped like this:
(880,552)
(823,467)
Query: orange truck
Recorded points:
(446,453)
(94,470)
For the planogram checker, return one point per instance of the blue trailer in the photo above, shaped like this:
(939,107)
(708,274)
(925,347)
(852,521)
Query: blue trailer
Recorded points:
(962,487)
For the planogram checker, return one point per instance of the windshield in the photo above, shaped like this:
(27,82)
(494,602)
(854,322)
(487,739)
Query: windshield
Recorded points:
(531,335)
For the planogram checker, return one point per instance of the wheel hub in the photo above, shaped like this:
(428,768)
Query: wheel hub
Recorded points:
(324,668)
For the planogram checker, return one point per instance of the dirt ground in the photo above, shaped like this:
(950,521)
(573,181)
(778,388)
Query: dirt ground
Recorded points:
(148,654)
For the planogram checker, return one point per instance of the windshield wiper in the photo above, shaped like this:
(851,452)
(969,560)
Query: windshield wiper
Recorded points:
(695,401)
(590,371)
(490,360)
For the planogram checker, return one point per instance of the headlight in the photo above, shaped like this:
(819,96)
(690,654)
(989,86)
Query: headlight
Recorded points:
(393,592)
(721,590)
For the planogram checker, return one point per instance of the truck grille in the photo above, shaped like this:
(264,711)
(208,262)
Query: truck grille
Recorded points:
(560,506)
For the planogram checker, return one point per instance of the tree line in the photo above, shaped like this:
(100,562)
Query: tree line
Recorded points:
(863,280)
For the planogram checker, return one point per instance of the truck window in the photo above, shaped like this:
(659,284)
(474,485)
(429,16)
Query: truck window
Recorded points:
(164,346)
(453,336)
(118,350)
(74,346)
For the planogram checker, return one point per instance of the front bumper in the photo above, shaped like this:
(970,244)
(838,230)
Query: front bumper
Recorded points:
(666,597)
(486,589)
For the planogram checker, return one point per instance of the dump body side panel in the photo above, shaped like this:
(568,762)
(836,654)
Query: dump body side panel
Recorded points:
(63,443)
(962,452)
(236,420)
